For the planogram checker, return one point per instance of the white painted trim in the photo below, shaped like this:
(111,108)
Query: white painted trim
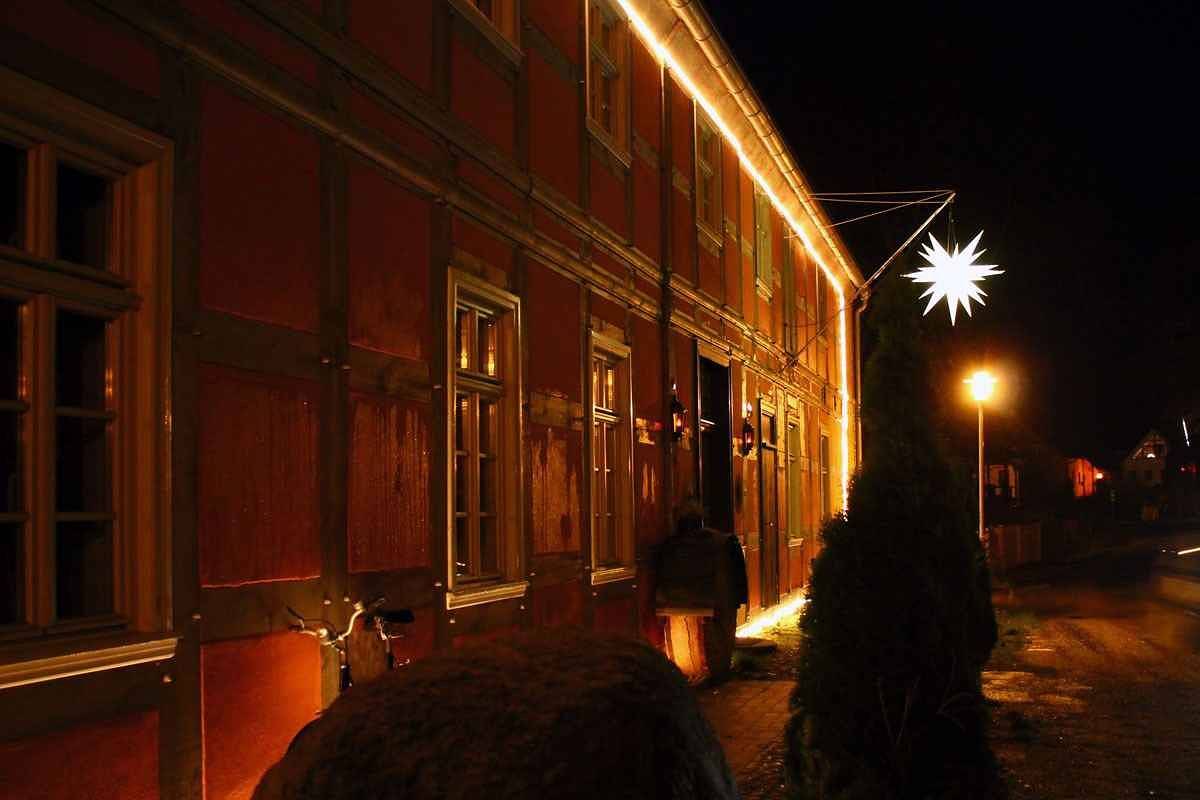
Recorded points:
(82,662)
(492,593)
(613,574)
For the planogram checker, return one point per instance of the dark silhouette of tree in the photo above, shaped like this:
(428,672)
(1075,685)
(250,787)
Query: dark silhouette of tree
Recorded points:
(899,621)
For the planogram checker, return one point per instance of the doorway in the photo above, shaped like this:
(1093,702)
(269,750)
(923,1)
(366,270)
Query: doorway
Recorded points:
(716,446)
(768,461)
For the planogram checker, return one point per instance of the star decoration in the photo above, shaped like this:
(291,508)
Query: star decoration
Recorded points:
(953,276)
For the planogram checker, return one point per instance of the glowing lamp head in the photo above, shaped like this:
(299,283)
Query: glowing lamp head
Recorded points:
(678,415)
(982,384)
(1099,475)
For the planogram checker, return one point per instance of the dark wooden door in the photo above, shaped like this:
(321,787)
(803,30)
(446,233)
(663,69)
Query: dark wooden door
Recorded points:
(769,504)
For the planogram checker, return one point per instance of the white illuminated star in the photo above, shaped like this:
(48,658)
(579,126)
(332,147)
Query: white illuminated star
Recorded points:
(953,275)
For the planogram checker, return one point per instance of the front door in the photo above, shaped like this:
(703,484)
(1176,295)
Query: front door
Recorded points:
(768,463)
(716,448)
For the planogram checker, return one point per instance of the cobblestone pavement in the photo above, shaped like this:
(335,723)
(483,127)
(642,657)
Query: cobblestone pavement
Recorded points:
(750,710)
(749,717)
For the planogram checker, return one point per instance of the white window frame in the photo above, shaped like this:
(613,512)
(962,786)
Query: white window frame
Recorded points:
(133,291)
(616,65)
(509,580)
(763,267)
(620,470)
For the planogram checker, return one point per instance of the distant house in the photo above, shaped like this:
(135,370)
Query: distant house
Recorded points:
(1082,474)
(1004,481)
(1146,463)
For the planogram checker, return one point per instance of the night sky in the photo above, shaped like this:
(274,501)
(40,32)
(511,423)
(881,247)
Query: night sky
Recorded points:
(1072,142)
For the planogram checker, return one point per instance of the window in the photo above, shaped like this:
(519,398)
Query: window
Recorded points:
(12,195)
(796,469)
(608,93)
(826,487)
(822,299)
(485,537)
(84,356)
(611,456)
(762,241)
(496,19)
(708,174)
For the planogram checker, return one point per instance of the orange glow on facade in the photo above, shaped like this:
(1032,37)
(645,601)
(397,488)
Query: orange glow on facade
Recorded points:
(665,56)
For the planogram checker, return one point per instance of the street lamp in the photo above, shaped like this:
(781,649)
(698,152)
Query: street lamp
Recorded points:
(982,384)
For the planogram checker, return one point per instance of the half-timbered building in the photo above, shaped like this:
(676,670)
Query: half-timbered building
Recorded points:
(308,301)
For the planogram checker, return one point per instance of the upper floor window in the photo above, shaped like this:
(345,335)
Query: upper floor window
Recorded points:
(762,240)
(826,480)
(822,302)
(494,17)
(708,173)
(611,456)
(84,357)
(485,542)
(608,89)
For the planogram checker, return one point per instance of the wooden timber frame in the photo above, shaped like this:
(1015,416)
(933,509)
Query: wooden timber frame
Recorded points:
(465,178)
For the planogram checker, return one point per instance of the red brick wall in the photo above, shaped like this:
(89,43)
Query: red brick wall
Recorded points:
(257,693)
(114,51)
(400,36)
(388,250)
(260,213)
(116,759)
(481,97)
(259,37)
(389,489)
(257,484)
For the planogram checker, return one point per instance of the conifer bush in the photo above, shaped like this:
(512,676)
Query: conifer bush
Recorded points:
(899,621)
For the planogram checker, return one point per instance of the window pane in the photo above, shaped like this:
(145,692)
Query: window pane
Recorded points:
(461,409)
(82,217)
(10,348)
(597,392)
(487,485)
(84,564)
(461,482)
(12,195)
(489,546)
(12,575)
(10,462)
(606,103)
(82,464)
(487,346)
(462,546)
(487,427)
(464,338)
(610,387)
(80,361)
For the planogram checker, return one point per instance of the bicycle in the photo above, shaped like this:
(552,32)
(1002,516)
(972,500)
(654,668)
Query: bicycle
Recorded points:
(326,633)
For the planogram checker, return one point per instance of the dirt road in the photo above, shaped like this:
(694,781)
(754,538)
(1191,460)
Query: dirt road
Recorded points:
(1097,690)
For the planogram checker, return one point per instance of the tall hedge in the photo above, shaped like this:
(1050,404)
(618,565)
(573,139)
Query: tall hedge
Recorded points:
(899,621)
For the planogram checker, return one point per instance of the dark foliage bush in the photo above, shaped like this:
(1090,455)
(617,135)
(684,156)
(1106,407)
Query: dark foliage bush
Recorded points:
(899,621)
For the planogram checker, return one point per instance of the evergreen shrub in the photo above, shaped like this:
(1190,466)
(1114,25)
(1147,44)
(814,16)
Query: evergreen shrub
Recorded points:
(899,620)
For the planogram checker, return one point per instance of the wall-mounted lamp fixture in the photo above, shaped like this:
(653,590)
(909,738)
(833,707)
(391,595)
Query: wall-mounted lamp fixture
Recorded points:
(678,415)
(747,431)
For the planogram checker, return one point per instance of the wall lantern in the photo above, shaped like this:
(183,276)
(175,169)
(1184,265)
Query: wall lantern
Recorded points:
(678,415)
(747,431)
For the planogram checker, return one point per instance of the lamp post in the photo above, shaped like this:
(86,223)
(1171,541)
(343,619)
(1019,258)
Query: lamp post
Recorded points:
(982,384)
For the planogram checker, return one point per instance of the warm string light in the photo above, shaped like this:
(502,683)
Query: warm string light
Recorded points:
(771,618)
(664,55)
